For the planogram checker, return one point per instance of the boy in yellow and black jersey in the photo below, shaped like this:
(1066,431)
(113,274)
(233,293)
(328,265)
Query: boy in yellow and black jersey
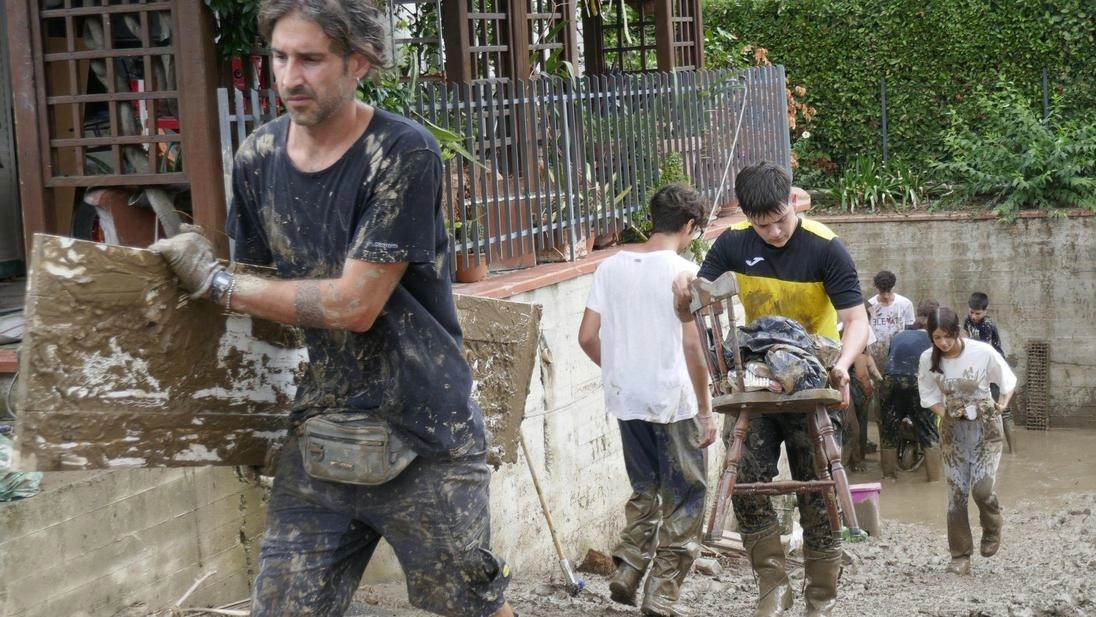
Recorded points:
(795,268)
(804,278)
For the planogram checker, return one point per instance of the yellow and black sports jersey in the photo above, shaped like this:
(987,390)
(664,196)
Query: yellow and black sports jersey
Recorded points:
(804,280)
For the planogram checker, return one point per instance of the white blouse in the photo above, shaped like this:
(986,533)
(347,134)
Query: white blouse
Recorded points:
(966,377)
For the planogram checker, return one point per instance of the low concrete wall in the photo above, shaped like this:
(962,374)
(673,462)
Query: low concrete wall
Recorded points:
(128,542)
(1039,272)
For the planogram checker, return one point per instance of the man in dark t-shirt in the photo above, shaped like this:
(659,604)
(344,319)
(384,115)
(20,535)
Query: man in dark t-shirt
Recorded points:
(344,201)
(792,267)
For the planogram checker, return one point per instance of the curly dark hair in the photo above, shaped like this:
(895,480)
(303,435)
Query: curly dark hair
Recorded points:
(676,204)
(354,26)
(885,280)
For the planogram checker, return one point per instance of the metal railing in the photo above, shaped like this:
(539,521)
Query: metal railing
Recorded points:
(556,162)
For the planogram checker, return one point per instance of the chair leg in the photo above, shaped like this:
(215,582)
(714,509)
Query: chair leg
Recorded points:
(718,520)
(822,472)
(828,444)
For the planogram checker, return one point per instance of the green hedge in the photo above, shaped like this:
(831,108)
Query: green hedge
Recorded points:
(931,54)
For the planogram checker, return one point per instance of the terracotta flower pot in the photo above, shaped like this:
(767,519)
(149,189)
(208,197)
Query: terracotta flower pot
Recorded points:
(471,268)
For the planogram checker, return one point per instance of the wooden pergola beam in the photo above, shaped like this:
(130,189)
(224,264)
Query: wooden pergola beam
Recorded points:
(664,35)
(196,66)
(37,217)
(458,60)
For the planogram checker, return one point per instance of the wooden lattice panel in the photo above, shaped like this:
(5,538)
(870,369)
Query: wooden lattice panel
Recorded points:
(111,99)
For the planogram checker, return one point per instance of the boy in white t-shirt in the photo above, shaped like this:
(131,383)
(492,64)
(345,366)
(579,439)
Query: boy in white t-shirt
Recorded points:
(890,312)
(656,384)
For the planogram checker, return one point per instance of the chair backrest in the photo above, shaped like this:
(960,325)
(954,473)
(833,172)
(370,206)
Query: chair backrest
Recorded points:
(709,300)
(706,292)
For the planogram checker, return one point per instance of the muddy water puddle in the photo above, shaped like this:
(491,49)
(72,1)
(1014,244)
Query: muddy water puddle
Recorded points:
(1046,465)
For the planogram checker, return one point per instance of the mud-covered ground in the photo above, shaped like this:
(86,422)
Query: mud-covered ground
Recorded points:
(1046,567)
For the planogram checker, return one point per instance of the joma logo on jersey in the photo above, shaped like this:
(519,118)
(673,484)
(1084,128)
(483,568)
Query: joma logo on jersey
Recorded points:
(753,261)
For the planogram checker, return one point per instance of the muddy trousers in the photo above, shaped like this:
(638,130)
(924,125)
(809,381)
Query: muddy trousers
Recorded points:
(854,433)
(760,455)
(664,515)
(971,450)
(899,399)
(320,536)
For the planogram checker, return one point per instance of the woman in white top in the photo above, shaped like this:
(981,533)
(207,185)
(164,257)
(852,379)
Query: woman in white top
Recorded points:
(953,380)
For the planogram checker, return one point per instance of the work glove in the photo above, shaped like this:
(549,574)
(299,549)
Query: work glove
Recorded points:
(191,258)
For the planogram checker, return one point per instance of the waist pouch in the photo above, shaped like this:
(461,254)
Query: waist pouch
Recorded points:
(353,449)
(962,410)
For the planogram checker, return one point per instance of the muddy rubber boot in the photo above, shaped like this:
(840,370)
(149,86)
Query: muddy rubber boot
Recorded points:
(660,597)
(888,460)
(822,571)
(990,515)
(766,555)
(960,542)
(959,566)
(625,582)
(663,586)
(934,464)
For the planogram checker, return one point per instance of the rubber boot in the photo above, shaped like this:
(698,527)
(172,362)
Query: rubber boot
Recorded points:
(888,460)
(660,595)
(934,464)
(822,571)
(668,571)
(960,542)
(959,566)
(625,582)
(989,514)
(766,555)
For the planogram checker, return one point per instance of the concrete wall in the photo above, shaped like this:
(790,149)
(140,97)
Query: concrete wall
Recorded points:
(1039,272)
(95,543)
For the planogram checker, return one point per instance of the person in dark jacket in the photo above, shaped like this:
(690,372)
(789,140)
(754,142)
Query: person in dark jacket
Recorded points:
(900,400)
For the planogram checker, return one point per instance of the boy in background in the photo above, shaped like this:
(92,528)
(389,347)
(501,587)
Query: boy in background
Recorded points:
(889,314)
(979,326)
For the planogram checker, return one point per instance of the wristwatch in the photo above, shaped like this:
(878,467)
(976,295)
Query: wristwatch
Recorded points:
(221,287)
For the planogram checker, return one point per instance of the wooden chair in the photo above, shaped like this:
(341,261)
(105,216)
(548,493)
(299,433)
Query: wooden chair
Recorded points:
(709,300)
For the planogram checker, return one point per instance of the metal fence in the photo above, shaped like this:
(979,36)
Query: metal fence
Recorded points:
(555,163)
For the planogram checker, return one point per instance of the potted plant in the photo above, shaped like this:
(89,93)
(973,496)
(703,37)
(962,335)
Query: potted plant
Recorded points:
(469,247)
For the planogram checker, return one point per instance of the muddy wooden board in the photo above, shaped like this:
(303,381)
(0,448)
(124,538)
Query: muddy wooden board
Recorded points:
(118,368)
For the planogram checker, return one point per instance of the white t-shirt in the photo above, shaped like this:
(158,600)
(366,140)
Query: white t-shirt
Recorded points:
(643,368)
(966,377)
(886,321)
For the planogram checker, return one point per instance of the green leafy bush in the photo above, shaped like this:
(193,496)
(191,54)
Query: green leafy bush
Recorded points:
(1002,153)
(932,55)
(868,183)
